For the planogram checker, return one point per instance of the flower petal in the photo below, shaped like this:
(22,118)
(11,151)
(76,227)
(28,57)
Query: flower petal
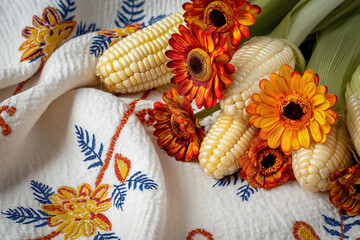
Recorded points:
(315,131)
(304,138)
(286,142)
(275,136)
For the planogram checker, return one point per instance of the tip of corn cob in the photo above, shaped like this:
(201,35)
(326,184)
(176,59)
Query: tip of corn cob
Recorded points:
(138,62)
(227,140)
(313,166)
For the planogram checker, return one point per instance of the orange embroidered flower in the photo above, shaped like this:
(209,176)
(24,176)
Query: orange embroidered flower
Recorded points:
(200,64)
(302,231)
(176,127)
(78,213)
(119,33)
(230,17)
(46,35)
(345,190)
(264,167)
(292,110)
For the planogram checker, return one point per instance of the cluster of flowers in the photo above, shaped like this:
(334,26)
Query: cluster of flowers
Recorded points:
(290,112)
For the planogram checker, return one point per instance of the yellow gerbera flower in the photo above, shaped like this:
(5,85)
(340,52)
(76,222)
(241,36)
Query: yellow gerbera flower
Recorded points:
(292,110)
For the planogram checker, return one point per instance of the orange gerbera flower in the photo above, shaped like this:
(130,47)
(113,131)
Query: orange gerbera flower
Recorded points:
(46,35)
(79,213)
(201,64)
(345,190)
(230,17)
(264,167)
(176,127)
(292,110)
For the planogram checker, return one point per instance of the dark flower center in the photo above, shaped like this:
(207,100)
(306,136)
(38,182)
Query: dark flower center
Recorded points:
(175,126)
(268,161)
(293,111)
(199,64)
(218,19)
(195,65)
(357,188)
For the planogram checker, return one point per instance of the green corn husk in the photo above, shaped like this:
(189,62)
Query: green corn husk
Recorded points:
(303,18)
(272,12)
(354,85)
(336,56)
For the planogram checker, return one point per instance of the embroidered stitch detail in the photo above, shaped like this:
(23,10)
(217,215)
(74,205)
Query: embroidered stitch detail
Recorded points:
(106,38)
(6,130)
(46,34)
(303,231)
(20,86)
(244,191)
(122,167)
(82,29)
(87,149)
(116,136)
(199,231)
(48,237)
(344,225)
(146,116)
(131,12)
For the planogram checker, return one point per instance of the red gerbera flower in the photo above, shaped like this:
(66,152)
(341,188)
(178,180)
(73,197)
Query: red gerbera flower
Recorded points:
(200,63)
(264,167)
(345,190)
(230,17)
(176,127)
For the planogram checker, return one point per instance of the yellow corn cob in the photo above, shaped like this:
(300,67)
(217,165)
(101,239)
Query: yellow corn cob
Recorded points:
(353,118)
(138,62)
(313,166)
(255,60)
(227,140)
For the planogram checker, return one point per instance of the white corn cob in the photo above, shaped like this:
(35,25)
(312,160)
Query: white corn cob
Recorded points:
(255,60)
(138,62)
(227,140)
(313,166)
(352,96)
(353,119)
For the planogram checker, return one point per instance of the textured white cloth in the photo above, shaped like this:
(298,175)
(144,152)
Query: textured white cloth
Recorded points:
(63,117)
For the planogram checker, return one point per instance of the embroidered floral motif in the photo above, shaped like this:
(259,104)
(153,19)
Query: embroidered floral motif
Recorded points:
(79,213)
(45,36)
(340,228)
(244,191)
(146,116)
(6,130)
(303,231)
(122,167)
(199,231)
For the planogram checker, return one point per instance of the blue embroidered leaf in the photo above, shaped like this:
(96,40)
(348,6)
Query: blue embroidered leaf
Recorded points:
(132,11)
(332,232)
(99,44)
(141,181)
(65,7)
(118,195)
(156,19)
(348,226)
(227,180)
(82,29)
(245,192)
(87,149)
(27,216)
(331,221)
(105,236)
(42,192)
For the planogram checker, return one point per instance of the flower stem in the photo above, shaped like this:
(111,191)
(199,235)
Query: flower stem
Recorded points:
(207,112)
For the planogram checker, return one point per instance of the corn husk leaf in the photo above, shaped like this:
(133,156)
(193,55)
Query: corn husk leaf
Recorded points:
(336,56)
(303,18)
(354,85)
(272,12)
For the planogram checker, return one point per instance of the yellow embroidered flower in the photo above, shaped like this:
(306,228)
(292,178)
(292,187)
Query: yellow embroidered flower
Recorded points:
(119,33)
(46,35)
(78,213)
(292,110)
